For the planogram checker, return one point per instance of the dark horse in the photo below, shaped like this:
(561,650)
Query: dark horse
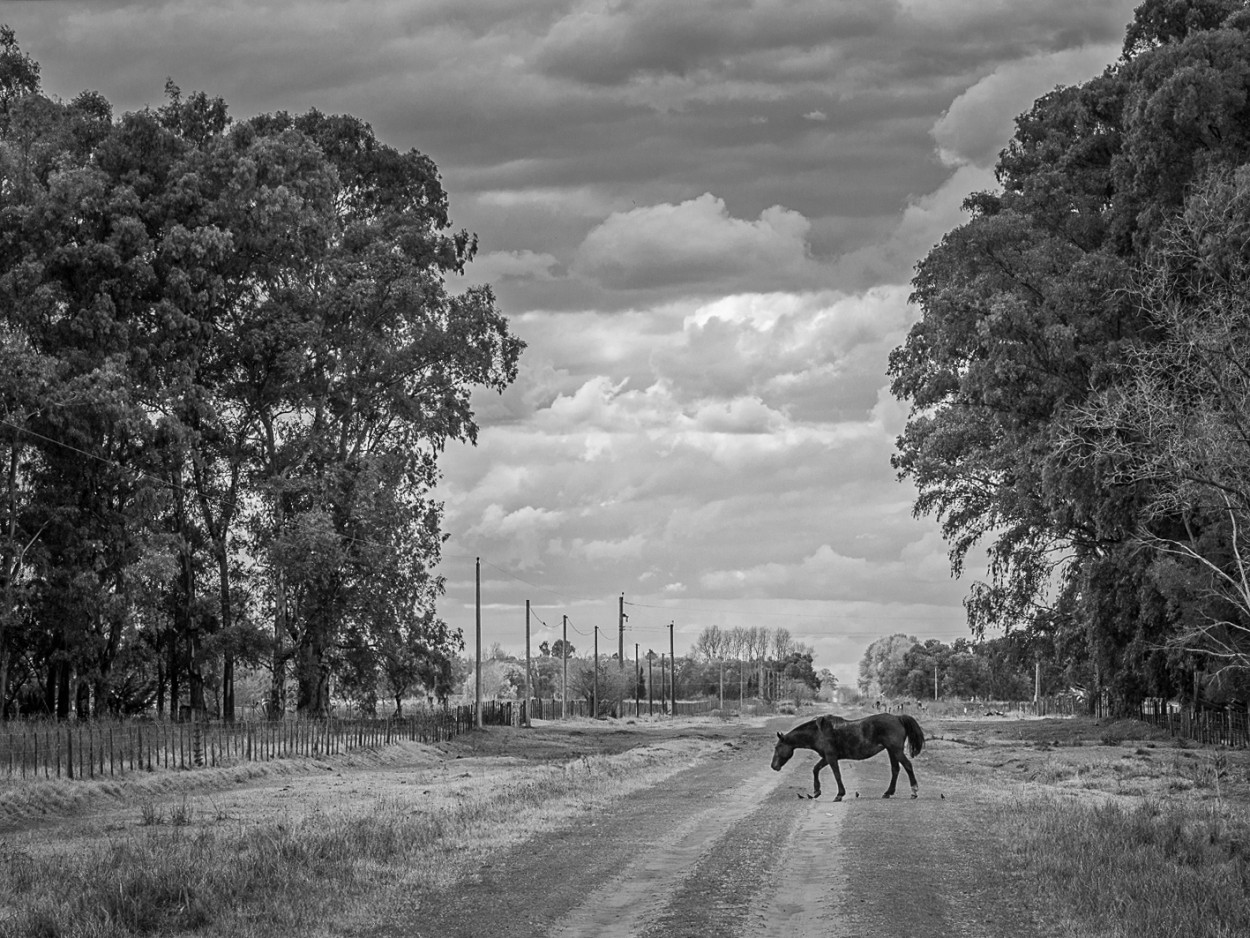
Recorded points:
(835,738)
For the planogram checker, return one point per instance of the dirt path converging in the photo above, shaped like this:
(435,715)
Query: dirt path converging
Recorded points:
(731,848)
(642,831)
(646,885)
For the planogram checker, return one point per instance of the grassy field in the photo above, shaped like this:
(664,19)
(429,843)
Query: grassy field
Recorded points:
(1122,830)
(161,858)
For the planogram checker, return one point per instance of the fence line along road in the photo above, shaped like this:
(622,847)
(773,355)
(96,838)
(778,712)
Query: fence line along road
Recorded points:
(1209,727)
(552,708)
(105,749)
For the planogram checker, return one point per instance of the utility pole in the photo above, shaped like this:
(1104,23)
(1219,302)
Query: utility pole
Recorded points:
(620,652)
(650,698)
(594,697)
(477,694)
(1037,685)
(527,663)
(935,683)
(564,677)
(663,687)
(672,663)
(637,678)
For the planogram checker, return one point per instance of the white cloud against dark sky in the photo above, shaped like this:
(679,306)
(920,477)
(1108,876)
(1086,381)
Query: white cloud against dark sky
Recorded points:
(702,217)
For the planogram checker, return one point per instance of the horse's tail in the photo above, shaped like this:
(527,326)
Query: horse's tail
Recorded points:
(915,735)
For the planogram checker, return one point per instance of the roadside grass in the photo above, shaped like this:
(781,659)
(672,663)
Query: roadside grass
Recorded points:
(177,871)
(1145,869)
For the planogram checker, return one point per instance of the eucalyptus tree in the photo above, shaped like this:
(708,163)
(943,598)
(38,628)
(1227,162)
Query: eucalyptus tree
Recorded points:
(1026,312)
(231,356)
(350,432)
(1176,422)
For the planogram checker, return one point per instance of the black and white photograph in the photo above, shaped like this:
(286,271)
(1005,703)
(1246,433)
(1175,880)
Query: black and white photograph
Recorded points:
(623,468)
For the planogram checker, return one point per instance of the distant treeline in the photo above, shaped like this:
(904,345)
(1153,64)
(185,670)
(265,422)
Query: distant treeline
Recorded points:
(901,666)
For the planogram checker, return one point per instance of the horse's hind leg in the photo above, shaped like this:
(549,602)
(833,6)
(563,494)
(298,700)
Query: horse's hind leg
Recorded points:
(893,771)
(911,776)
(837,774)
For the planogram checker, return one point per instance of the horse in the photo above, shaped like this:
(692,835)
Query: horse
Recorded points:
(834,738)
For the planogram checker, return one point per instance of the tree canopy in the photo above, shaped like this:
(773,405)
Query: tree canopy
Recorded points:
(229,360)
(1033,310)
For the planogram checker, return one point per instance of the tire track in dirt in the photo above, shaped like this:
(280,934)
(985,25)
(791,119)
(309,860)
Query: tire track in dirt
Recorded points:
(926,867)
(544,884)
(807,890)
(652,895)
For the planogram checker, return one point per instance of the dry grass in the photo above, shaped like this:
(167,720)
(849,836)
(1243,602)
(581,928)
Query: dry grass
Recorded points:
(1144,869)
(176,867)
(1124,831)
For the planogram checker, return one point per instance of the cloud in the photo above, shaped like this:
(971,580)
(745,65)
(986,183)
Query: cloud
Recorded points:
(921,224)
(701,216)
(979,122)
(514,265)
(690,243)
(631,41)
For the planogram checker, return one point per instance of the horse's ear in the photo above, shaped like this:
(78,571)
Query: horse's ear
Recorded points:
(779,736)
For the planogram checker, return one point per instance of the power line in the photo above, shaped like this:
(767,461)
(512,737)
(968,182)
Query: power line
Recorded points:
(766,615)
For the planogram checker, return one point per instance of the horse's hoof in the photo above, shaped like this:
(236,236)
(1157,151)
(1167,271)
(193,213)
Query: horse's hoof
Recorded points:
(888,794)
(837,798)
(915,794)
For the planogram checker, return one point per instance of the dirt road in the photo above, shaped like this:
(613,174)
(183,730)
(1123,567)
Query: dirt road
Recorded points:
(730,848)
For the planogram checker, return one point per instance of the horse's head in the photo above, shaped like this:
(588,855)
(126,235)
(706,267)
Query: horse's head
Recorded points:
(782,752)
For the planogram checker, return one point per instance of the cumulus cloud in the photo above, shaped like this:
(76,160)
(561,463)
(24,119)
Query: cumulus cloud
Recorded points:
(701,217)
(514,265)
(692,242)
(979,122)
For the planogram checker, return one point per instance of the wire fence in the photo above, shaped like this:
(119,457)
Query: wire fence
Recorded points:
(1226,727)
(547,708)
(95,749)
(106,749)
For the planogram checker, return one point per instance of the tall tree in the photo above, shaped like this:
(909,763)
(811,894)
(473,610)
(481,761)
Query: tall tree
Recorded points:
(1026,311)
(230,353)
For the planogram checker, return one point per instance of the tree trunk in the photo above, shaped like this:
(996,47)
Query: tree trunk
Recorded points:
(195,673)
(277,684)
(160,683)
(82,699)
(8,613)
(62,691)
(174,689)
(313,677)
(313,670)
(227,623)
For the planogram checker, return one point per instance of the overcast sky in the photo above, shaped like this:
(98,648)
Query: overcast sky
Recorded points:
(702,217)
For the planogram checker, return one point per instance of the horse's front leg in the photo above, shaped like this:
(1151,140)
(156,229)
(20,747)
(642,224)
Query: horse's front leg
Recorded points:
(816,776)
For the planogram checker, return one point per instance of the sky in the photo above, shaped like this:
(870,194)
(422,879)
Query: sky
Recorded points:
(702,217)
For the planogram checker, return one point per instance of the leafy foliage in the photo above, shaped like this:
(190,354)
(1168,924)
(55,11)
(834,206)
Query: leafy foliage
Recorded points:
(1029,312)
(230,363)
